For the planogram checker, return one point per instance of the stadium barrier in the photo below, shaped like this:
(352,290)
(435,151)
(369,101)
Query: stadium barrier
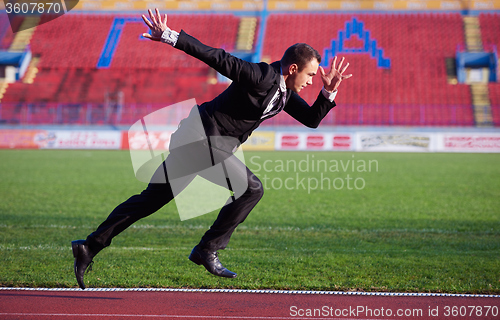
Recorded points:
(60,139)
(363,141)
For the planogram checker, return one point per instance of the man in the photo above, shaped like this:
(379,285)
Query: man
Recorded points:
(258,92)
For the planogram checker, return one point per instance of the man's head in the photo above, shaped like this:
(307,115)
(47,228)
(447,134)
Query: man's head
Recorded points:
(299,64)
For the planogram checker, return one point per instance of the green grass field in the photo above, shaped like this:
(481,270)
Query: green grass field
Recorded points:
(414,223)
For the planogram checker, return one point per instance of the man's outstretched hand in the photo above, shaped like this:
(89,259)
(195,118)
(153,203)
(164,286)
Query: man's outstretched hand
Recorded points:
(332,79)
(157,25)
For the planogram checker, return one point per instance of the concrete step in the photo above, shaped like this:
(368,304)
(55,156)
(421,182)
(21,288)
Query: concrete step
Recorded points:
(23,38)
(246,34)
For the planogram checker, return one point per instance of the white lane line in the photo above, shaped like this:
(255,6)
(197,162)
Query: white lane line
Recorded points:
(267,228)
(343,293)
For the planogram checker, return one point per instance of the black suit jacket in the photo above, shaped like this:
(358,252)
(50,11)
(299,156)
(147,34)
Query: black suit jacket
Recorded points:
(238,110)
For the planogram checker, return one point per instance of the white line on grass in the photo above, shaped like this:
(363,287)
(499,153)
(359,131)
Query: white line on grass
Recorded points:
(67,248)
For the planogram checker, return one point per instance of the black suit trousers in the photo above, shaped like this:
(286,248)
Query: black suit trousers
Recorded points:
(156,195)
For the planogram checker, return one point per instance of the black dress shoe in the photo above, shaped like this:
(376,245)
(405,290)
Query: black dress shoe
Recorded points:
(83,257)
(210,261)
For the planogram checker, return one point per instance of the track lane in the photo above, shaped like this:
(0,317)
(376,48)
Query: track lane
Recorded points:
(62,304)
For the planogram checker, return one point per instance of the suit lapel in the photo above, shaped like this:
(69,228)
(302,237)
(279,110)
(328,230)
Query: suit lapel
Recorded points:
(275,85)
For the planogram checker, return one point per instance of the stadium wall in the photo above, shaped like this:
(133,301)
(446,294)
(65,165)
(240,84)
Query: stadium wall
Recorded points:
(284,139)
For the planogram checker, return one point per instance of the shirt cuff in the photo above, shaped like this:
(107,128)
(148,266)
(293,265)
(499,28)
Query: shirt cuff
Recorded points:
(170,37)
(329,95)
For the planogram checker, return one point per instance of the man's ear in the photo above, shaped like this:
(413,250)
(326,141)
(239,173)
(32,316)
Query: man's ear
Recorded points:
(293,68)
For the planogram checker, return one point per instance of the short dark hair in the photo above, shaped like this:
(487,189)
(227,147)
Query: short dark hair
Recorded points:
(300,54)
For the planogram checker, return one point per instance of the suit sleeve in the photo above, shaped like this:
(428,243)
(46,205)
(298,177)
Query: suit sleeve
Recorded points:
(309,116)
(238,70)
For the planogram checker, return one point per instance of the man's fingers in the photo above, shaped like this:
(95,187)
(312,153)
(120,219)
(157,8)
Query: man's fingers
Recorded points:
(150,37)
(147,21)
(322,71)
(153,19)
(340,64)
(346,77)
(155,25)
(334,61)
(343,70)
(159,15)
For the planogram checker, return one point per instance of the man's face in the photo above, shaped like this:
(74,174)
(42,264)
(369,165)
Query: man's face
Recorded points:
(297,81)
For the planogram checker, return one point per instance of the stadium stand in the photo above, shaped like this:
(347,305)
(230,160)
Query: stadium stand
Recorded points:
(490,28)
(144,73)
(414,91)
(490,33)
(83,48)
(494,90)
(5,36)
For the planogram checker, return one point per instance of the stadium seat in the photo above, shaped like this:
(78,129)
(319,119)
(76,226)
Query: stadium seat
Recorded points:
(414,91)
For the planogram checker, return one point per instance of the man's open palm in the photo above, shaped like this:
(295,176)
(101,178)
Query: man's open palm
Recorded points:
(334,77)
(157,25)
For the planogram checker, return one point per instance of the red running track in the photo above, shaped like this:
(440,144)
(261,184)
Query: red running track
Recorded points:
(75,304)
